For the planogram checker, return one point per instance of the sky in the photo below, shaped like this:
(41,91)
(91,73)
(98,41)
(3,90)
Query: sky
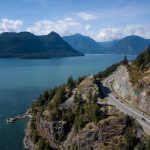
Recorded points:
(103,20)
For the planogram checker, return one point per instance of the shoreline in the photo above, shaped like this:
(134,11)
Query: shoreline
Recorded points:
(27,142)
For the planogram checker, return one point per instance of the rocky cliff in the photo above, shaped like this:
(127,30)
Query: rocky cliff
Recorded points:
(80,121)
(137,95)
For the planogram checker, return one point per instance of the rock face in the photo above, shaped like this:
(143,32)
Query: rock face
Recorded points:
(107,134)
(83,122)
(54,129)
(88,87)
(27,140)
(136,96)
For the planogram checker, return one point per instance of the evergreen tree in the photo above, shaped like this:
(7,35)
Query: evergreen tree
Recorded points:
(70,82)
(125,61)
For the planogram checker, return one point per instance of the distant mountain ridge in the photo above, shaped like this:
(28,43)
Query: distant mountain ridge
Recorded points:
(131,45)
(108,44)
(128,45)
(84,44)
(28,45)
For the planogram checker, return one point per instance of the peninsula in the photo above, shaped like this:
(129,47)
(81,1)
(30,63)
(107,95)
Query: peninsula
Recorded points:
(92,113)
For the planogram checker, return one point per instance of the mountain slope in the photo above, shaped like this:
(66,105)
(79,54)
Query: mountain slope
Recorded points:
(130,45)
(28,45)
(143,60)
(56,46)
(84,44)
(74,117)
(108,44)
(132,82)
(22,44)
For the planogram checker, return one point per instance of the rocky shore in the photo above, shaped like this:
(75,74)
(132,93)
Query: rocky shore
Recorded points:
(28,144)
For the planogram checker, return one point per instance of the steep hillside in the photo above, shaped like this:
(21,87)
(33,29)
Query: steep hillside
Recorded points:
(21,45)
(73,116)
(133,82)
(56,46)
(84,44)
(143,60)
(130,45)
(27,45)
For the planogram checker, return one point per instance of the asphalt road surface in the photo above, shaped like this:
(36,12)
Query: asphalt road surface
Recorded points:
(143,119)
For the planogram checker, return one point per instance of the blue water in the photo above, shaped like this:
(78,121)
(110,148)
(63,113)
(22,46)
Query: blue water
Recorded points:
(21,81)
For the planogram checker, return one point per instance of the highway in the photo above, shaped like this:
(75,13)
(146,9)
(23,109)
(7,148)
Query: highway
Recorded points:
(143,119)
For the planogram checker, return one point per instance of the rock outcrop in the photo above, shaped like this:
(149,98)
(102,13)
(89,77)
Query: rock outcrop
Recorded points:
(27,139)
(88,88)
(55,130)
(84,121)
(93,136)
(135,95)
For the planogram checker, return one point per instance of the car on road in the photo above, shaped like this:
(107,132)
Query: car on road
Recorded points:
(143,119)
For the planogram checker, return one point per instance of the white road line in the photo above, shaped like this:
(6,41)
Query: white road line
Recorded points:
(143,123)
(115,103)
(130,109)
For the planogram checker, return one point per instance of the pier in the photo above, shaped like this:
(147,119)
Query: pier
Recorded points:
(18,117)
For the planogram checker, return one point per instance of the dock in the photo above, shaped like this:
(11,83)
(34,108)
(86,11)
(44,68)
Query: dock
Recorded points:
(18,117)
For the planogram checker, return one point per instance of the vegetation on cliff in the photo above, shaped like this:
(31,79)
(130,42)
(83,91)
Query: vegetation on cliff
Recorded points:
(139,66)
(143,60)
(108,71)
(74,116)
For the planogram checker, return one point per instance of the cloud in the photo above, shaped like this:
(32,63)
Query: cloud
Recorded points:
(7,25)
(86,16)
(106,34)
(68,25)
(64,26)
(87,27)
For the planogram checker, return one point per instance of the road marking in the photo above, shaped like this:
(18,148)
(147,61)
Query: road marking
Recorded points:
(116,102)
(130,108)
(143,123)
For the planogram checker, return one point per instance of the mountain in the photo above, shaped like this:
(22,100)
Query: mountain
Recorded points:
(28,45)
(22,44)
(108,44)
(56,46)
(130,45)
(84,44)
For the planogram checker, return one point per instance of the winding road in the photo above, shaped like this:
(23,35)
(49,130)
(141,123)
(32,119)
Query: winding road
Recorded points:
(143,119)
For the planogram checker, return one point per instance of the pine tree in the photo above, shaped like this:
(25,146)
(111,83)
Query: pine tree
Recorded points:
(125,61)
